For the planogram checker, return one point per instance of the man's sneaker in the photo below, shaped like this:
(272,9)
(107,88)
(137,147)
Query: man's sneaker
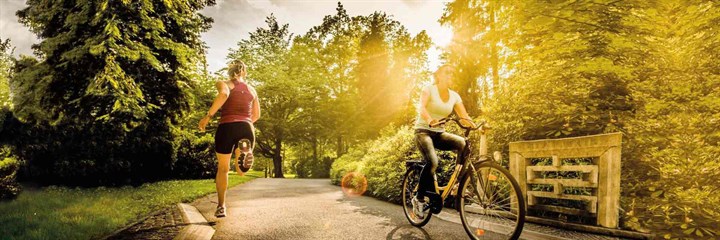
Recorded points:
(220,212)
(419,208)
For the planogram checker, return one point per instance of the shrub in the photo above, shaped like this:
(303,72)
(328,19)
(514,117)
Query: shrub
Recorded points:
(9,188)
(382,161)
(194,156)
(91,154)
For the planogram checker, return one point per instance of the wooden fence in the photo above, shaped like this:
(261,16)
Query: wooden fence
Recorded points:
(603,177)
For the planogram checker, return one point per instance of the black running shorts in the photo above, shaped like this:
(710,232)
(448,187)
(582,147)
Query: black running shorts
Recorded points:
(229,134)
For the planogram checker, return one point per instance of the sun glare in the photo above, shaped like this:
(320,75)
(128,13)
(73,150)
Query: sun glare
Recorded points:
(443,37)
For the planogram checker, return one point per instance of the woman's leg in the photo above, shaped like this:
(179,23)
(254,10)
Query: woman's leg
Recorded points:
(449,142)
(427,179)
(223,150)
(221,178)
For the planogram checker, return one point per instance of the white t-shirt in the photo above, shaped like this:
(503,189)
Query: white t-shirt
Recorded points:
(436,107)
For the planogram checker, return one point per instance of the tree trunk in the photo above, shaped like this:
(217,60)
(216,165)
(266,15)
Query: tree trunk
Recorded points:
(278,160)
(493,50)
(339,152)
(315,149)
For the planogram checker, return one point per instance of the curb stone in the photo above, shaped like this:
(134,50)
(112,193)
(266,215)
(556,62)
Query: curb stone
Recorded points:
(197,226)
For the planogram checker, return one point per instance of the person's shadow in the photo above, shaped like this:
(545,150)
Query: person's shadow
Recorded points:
(407,232)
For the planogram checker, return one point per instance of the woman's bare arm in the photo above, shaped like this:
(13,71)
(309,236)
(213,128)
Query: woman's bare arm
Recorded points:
(256,106)
(424,114)
(462,112)
(222,96)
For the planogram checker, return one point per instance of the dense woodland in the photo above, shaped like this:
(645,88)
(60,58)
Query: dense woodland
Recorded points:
(115,89)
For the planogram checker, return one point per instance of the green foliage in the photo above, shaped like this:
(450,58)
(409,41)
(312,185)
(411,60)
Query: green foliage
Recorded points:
(9,187)
(121,62)
(266,55)
(90,213)
(573,68)
(7,65)
(110,79)
(194,156)
(674,141)
(325,90)
(382,161)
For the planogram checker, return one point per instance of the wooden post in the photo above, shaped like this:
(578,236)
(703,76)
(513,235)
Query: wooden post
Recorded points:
(517,169)
(609,184)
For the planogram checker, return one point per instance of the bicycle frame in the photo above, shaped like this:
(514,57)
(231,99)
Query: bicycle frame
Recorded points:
(461,166)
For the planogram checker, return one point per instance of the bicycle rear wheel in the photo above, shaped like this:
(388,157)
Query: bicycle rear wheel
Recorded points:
(491,201)
(409,188)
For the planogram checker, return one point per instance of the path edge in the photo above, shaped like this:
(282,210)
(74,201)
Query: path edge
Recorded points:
(197,226)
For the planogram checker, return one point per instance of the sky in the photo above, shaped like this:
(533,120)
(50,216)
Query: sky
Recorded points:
(234,19)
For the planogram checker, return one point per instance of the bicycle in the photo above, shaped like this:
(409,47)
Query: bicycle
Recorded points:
(487,196)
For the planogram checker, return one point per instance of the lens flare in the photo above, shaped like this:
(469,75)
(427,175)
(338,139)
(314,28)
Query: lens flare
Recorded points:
(354,184)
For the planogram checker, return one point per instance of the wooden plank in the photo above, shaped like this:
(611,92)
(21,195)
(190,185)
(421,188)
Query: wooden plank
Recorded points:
(564,210)
(563,196)
(609,190)
(517,169)
(566,153)
(591,207)
(564,182)
(557,188)
(600,139)
(564,168)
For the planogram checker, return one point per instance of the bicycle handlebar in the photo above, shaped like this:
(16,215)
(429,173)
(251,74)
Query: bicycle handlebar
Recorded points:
(479,126)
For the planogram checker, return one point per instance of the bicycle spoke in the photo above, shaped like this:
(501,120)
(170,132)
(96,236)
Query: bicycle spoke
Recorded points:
(490,205)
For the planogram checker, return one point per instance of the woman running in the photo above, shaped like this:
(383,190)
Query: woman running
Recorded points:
(437,101)
(240,109)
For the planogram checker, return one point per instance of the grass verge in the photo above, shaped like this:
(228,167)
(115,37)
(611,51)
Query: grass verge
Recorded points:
(87,213)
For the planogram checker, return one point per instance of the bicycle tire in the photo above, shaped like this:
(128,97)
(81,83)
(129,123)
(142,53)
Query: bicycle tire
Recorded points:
(412,176)
(516,191)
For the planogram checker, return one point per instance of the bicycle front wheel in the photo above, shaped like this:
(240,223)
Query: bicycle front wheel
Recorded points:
(491,202)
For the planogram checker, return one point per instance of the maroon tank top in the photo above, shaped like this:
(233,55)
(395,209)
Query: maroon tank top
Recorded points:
(238,107)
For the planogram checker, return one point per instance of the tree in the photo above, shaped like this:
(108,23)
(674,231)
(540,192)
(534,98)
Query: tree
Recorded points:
(331,49)
(266,55)
(324,90)
(469,50)
(7,63)
(675,131)
(647,69)
(111,77)
(390,64)
(135,59)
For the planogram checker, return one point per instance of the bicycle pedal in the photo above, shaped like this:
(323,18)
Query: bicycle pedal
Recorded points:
(436,202)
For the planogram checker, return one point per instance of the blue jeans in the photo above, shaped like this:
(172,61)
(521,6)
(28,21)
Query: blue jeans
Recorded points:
(427,141)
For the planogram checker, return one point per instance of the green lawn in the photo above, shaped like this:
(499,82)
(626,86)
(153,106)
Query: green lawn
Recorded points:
(85,213)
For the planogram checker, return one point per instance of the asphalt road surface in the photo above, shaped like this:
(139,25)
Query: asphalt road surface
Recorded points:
(314,209)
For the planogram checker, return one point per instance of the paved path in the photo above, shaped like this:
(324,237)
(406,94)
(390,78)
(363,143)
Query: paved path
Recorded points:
(313,209)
